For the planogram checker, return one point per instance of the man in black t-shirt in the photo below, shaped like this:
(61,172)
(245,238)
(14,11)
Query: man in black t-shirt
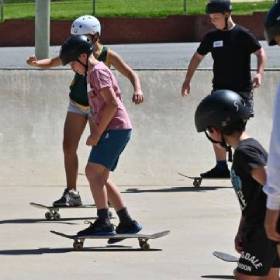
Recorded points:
(231,47)
(223,116)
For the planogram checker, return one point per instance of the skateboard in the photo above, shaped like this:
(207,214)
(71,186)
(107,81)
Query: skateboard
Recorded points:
(78,243)
(225,257)
(52,213)
(197,180)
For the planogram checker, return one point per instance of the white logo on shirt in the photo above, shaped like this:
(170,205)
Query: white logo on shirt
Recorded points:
(218,44)
(237,185)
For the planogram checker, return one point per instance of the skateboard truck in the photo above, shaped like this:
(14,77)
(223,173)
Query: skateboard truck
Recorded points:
(196,180)
(53,211)
(52,214)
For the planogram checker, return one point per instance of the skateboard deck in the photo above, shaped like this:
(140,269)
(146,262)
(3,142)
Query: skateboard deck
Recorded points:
(142,238)
(225,257)
(52,213)
(197,180)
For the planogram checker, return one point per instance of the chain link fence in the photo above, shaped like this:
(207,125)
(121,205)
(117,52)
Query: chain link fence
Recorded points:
(69,9)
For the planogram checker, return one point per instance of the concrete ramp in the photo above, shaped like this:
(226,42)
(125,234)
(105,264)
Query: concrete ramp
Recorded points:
(33,109)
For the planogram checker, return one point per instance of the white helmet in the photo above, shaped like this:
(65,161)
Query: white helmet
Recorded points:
(86,25)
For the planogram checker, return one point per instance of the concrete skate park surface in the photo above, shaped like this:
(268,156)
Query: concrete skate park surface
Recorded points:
(164,142)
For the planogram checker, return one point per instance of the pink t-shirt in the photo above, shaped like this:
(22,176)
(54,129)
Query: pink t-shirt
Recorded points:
(99,77)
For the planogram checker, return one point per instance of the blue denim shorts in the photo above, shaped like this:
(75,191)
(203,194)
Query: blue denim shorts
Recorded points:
(110,146)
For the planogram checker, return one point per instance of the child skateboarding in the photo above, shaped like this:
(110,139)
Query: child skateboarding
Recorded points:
(110,131)
(78,109)
(223,116)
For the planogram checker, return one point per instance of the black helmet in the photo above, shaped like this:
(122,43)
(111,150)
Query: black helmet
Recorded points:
(218,6)
(272,24)
(73,47)
(220,109)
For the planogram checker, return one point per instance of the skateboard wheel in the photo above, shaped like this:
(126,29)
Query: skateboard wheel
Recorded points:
(56,216)
(78,245)
(144,245)
(197,182)
(48,216)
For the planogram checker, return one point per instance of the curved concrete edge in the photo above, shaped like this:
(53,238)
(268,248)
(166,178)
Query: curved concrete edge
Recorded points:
(164,140)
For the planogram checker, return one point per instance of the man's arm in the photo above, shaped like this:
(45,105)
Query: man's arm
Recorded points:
(195,61)
(261,59)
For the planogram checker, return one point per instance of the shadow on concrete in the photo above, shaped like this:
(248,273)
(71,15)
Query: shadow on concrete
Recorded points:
(42,251)
(33,221)
(175,189)
(218,276)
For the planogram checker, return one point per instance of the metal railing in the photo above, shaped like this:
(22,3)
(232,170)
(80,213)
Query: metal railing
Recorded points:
(70,9)
(8,8)
(94,7)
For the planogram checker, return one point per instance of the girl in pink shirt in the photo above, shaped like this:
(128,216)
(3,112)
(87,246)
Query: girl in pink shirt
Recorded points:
(110,128)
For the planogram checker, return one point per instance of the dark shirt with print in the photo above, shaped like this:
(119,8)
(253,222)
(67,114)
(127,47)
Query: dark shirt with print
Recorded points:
(231,51)
(249,155)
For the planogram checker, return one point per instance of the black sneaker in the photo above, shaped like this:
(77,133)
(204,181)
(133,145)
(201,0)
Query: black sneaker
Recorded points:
(125,228)
(98,228)
(70,198)
(219,173)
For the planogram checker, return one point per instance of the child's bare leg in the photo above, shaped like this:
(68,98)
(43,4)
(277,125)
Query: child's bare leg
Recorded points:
(97,176)
(114,195)
(220,153)
(241,276)
(273,274)
(73,128)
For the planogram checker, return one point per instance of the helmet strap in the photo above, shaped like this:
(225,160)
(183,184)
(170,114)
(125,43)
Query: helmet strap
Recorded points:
(226,23)
(85,65)
(223,144)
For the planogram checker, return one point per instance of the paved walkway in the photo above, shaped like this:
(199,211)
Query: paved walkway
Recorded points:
(164,142)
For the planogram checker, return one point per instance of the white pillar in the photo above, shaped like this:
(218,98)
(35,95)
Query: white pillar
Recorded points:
(42,28)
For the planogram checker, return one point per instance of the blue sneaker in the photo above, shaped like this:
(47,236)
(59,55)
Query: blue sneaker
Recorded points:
(125,228)
(98,228)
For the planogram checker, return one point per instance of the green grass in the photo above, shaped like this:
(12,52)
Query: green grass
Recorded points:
(70,9)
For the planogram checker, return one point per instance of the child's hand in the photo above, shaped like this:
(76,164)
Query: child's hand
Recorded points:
(92,140)
(32,60)
(186,88)
(138,97)
(257,80)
